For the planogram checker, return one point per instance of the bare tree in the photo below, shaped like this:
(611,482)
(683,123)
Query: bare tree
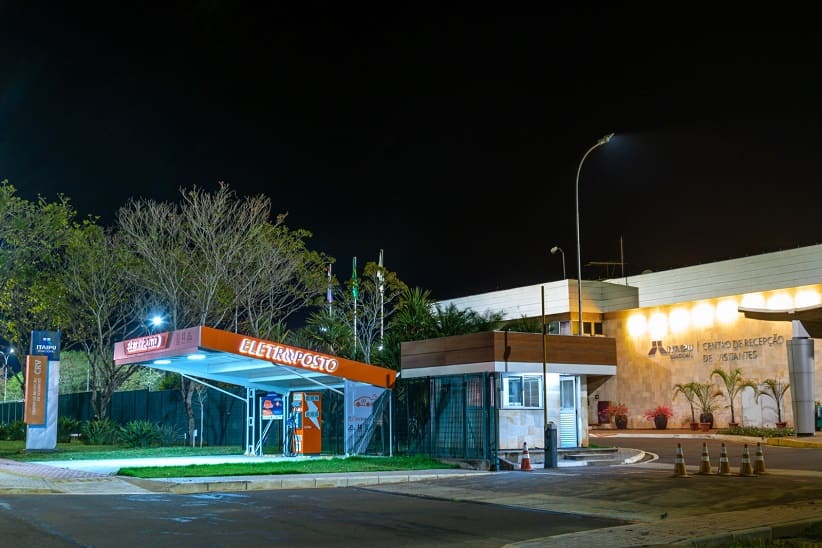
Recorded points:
(102,307)
(217,260)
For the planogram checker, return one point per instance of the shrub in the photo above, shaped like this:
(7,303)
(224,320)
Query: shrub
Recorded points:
(169,434)
(16,431)
(139,434)
(66,426)
(99,432)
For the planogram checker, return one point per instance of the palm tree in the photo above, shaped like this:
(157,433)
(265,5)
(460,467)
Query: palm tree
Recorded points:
(734,384)
(775,389)
(705,393)
(688,391)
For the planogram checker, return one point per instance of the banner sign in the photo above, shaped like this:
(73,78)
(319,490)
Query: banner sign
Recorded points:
(36,382)
(149,343)
(46,343)
(272,407)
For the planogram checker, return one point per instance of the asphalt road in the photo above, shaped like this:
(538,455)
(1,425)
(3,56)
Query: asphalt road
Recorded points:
(494,509)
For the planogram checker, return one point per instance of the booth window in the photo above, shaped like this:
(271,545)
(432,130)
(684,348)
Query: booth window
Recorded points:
(522,391)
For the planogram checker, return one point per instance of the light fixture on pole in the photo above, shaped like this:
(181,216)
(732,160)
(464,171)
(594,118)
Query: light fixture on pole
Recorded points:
(601,142)
(554,252)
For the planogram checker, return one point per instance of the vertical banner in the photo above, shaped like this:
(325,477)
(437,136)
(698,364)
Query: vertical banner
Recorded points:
(41,433)
(363,412)
(36,380)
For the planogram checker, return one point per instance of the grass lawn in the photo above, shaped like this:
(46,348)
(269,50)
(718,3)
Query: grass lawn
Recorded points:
(15,450)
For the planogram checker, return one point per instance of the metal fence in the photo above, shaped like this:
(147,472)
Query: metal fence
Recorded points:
(445,417)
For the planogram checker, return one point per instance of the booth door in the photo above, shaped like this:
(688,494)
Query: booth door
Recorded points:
(568,412)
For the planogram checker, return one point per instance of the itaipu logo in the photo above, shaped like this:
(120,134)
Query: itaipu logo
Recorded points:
(675,352)
(656,346)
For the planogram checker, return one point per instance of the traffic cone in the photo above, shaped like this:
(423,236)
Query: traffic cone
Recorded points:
(724,465)
(679,466)
(745,468)
(705,465)
(759,460)
(525,465)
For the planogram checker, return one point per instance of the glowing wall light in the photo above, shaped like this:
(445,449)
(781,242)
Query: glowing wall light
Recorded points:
(726,311)
(196,356)
(637,325)
(780,301)
(658,325)
(162,362)
(753,300)
(702,315)
(807,298)
(679,320)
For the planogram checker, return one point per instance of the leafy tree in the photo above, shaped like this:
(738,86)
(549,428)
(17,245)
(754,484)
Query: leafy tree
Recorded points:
(33,238)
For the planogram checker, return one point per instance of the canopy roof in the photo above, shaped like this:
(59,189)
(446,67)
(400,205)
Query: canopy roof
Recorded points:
(233,358)
(810,317)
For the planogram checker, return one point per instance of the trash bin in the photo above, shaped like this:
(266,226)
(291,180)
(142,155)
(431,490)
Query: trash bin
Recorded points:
(550,445)
(819,417)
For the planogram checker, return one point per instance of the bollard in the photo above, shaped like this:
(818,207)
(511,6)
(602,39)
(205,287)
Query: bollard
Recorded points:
(550,460)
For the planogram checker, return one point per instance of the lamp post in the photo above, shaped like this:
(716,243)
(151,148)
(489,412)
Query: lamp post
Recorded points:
(601,142)
(6,369)
(554,252)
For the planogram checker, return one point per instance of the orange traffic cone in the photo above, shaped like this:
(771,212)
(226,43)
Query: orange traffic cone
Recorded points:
(759,460)
(525,464)
(705,465)
(679,466)
(724,465)
(745,468)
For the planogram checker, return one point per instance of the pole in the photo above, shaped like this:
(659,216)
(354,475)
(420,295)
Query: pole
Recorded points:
(579,252)
(381,277)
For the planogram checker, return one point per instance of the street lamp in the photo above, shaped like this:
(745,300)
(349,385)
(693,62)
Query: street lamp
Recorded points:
(579,253)
(6,369)
(554,252)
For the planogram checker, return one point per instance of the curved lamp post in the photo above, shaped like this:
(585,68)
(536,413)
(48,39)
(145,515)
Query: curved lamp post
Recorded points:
(554,252)
(579,254)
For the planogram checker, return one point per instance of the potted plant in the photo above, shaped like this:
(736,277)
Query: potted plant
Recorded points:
(705,393)
(660,415)
(687,390)
(734,384)
(775,389)
(619,412)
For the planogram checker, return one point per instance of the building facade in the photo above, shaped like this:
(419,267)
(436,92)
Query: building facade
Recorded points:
(668,328)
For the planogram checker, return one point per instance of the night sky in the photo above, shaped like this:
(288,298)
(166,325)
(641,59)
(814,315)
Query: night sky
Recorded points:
(451,141)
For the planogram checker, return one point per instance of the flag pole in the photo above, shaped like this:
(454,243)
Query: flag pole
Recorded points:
(355,290)
(381,278)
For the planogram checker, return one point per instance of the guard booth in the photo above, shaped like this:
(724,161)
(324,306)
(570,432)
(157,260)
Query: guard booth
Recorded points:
(298,375)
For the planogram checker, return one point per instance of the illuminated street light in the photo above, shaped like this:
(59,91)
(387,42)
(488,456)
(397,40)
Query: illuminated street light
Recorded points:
(601,142)
(554,252)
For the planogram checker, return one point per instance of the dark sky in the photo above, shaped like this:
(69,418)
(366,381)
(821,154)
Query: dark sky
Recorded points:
(451,141)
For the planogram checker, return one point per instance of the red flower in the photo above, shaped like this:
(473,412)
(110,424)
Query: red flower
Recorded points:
(660,410)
